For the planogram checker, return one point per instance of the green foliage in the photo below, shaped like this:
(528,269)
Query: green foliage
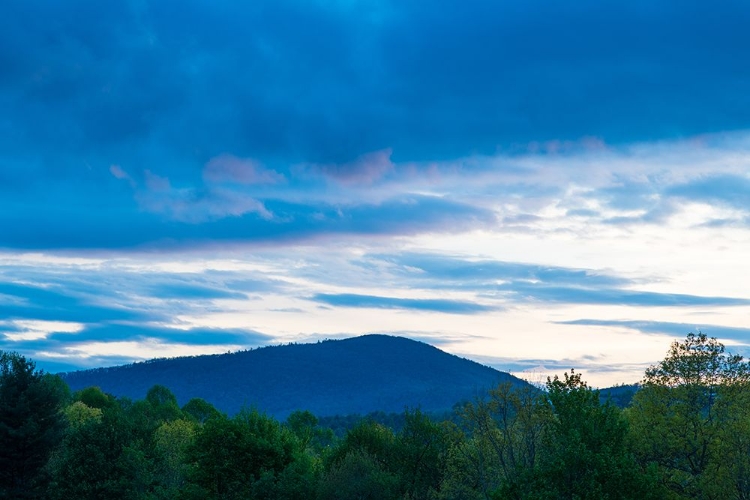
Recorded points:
(200,410)
(505,433)
(409,464)
(79,414)
(585,450)
(420,456)
(171,441)
(98,460)
(311,436)
(94,397)
(690,420)
(31,425)
(359,475)
(241,457)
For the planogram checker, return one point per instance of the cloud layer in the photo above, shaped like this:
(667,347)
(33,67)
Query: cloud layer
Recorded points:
(529,182)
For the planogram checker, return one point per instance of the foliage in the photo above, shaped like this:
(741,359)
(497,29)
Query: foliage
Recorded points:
(686,435)
(690,419)
(241,457)
(585,450)
(506,432)
(359,475)
(31,425)
(200,410)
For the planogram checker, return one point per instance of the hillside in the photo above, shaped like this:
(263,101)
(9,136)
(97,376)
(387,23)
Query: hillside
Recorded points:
(356,375)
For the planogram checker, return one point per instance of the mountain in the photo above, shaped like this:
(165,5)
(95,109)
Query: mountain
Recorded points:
(332,377)
(619,395)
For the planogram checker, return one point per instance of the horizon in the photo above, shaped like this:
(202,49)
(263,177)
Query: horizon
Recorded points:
(522,184)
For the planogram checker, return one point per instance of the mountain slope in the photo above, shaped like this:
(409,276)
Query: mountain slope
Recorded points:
(356,375)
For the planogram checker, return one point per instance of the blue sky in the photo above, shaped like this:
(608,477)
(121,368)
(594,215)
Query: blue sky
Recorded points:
(535,185)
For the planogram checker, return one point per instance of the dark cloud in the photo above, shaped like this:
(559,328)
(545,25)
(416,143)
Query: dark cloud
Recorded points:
(329,81)
(519,282)
(372,301)
(532,292)
(669,328)
(291,222)
(59,304)
(194,336)
(365,169)
(443,268)
(66,344)
(96,95)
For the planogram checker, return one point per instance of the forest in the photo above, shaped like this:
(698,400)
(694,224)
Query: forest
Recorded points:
(684,435)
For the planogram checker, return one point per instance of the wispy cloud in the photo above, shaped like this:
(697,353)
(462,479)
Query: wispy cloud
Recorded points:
(375,302)
(736,334)
(365,169)
(228,168)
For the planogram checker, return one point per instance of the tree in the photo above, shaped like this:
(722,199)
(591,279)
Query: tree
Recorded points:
(691,417)
(171,441)
(100,459)
(503,441)
(359,475)
(585,453)
(420,455)
(239,458)
(200,410)
(31,424)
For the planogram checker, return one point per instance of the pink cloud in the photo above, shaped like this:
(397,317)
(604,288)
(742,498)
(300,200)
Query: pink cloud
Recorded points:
(365,169)
(156,183)
(231,169)
(119,173)
(193,205)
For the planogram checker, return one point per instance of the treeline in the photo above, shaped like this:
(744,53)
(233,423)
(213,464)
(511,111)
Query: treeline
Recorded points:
(686,434)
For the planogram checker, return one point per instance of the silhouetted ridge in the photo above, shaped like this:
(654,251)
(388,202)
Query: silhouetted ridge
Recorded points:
(333,377)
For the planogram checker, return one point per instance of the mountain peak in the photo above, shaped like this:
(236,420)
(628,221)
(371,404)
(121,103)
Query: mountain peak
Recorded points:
(355,375)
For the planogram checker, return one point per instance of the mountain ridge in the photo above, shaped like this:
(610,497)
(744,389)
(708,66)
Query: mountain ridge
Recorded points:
(332,377)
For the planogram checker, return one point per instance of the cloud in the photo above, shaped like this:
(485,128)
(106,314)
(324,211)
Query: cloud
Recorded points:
(529,283)
(530,292)
(444,268)
(670,328)
(193,336)
(365,169)
(56,303)
(376,302)
(196,205)
(324,82)
(119,173)
(228,168)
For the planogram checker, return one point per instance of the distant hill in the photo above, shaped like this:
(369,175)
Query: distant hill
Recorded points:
(332,377)
(619,395)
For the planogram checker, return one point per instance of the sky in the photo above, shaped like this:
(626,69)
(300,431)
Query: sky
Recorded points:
(535,185)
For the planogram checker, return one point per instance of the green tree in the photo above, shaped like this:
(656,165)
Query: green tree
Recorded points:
(171,441)
(359,476)
(98,460)
(31,424)
(79,413)
(200,410)
(585,455)
(241,457)
(94,397)
(691,417)
(420,456)
(501,445)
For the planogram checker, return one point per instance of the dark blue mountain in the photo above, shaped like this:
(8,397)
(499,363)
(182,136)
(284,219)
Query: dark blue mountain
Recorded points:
(333,377)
